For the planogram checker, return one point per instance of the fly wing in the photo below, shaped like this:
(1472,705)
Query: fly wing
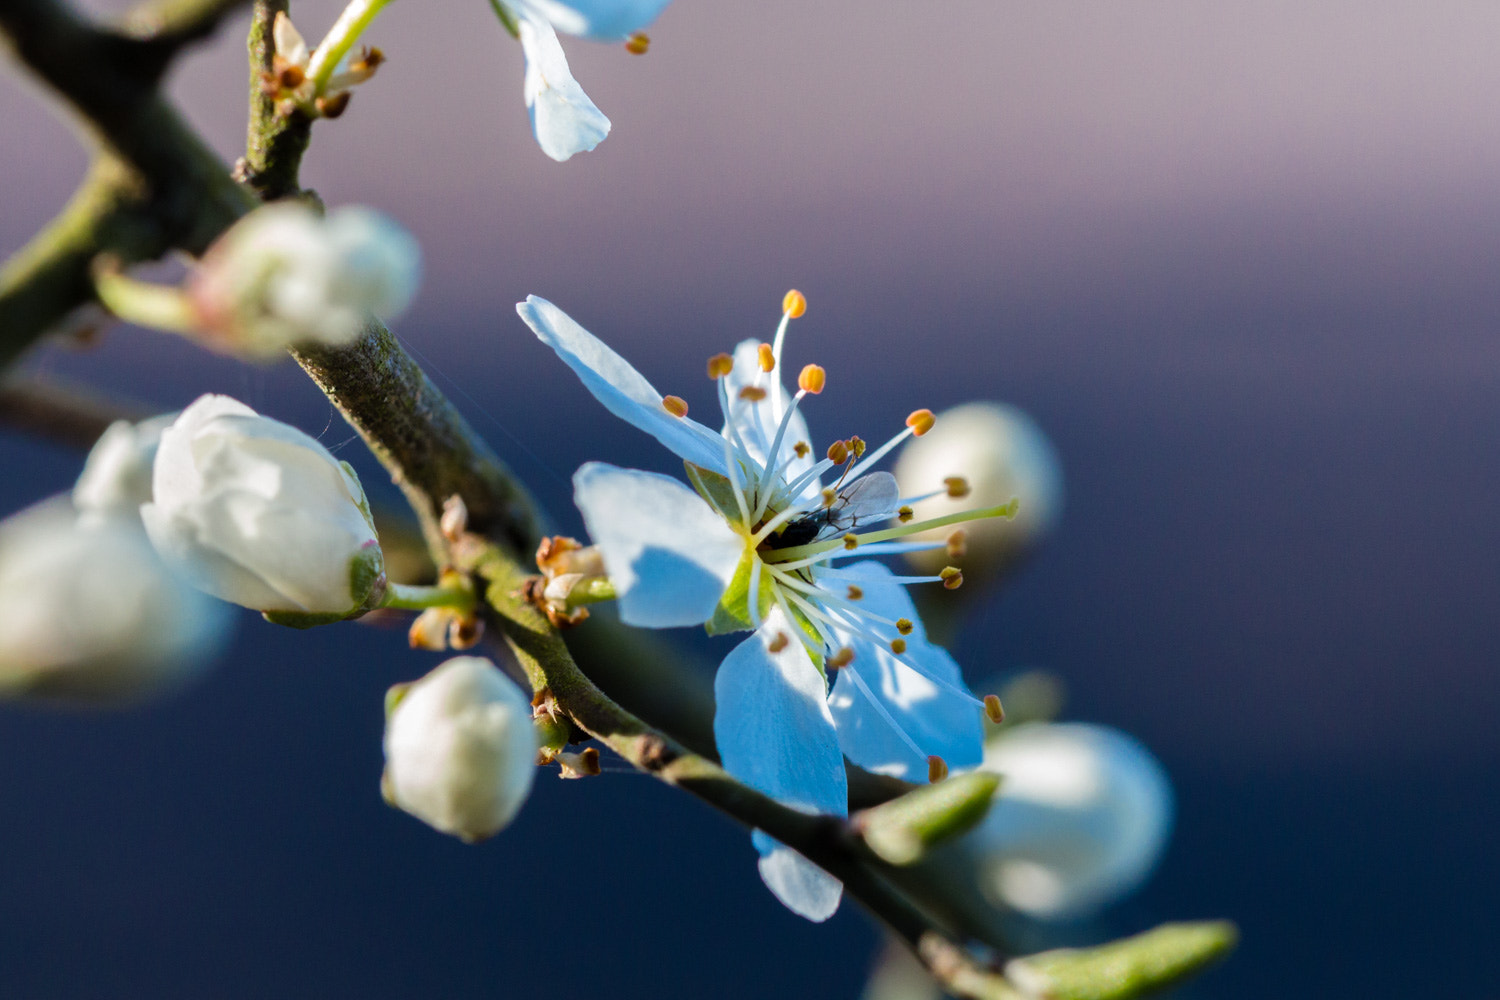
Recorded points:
(869,499)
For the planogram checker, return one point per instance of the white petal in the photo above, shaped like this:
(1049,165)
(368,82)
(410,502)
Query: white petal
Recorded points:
(600,20)
(802,886)
(774,732)
(622,389)
(288,40)
(669,554)
(756,422)
(562,116)
(939,721)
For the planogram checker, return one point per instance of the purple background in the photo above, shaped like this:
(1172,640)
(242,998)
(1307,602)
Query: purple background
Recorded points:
(1238,263)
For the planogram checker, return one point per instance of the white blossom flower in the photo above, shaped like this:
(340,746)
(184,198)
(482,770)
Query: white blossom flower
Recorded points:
(260,514)
(1002,453)
(89,612)
(563,118)
(116,477)
(754,546)
(284,275)
(460,748)
(1083,815)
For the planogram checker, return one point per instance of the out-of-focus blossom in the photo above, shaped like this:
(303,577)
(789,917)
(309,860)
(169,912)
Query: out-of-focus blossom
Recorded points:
(758,545)
(116,477)
(1083,815)
(563,118)
(284,275)
(460,748)
(88,611)
(987,453)
(260,514)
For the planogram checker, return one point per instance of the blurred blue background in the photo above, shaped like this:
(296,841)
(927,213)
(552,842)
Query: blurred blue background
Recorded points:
(1238,263)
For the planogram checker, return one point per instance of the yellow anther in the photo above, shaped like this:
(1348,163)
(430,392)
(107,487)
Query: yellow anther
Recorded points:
(829,496)
(958,487)
(720,365)
(851,542)
(838,453)
(675,405)
(952,577)
(937,769)
(898,646)
(857,445)
(794,304)
(905,514)
(921,421)
(802,448)
(767,358)
(777,644)
(753,394)
(904,626)
(812,379)
(842,658)
(855,593)
(993,709)
(958,544)
(638,43)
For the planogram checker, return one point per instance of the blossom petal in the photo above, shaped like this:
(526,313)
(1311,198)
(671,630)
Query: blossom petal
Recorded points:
(669,554)
(774,732)
(562,116)
(938,720)
(623,390)
(756,422)
(600,20)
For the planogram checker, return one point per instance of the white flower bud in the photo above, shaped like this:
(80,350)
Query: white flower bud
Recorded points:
(89,612)
(260,514)
(1000,453)
(116,477)
(1082,816)
(284,275)
(460,748)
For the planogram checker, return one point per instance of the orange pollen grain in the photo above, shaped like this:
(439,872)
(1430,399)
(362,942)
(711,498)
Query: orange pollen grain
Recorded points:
(898,646)
(958,487)
(905,514)
(802,448)
(766,357)
(842,658)
(638,43)
(904,626)
(752,394)
(838,453)
(778,644)
(812,379)
(851,542)
(829,496)
(794,304)
(993,709)
(952,577)
(855,593)
(921,421)
(720,365)
(675,405)
(857,445)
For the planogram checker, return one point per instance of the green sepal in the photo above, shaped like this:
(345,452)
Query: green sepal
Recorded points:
(717,490)
(307,619)
(733,611)
(901,831)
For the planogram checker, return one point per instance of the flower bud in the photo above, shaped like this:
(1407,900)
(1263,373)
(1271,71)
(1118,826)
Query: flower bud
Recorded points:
(284,275)
(1000,453)
(1083,814)
(89,612)
(116,477)
(260,514)
(460,748)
